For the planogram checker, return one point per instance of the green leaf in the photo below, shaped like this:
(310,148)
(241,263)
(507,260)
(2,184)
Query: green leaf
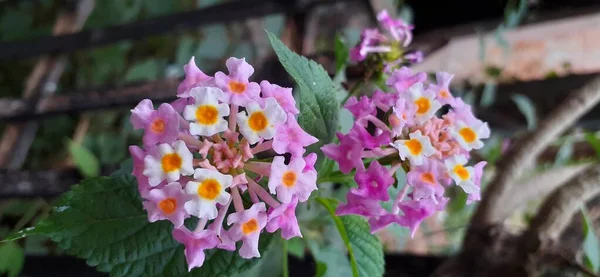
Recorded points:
(341,53)
(319,108)
(144,71)
(594,142)
(12,258)
(296,247)
(527,109)
(103,221)
(364,249)
(591,245)
(84,159)
(321,269)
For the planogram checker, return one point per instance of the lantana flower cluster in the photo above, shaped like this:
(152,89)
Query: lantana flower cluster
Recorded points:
(387,46)
(222,142)
(406,128)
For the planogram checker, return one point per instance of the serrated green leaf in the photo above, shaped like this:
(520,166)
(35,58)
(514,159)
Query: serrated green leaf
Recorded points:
(527,109)
(364,249)
(103,221)
(84,159)
(591,245)
(319,108)
(594,142)
(12,258)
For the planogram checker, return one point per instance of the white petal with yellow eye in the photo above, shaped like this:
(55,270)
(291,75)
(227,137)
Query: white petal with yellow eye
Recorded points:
(206,191)
(206,113)
(415,149)
(457,171)
(258,123)
(469,136)
(160,169)
(424,102)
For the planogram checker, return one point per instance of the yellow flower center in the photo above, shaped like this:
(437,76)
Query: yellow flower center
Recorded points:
(467,134)
(258,121)
(158,126)
(428,178)
(414,146)
(209,189)
(461,172)
(168,205)
(237,87)
(423,105)
(171,162)
(250,226)
(207,114)
(289,179)
(444,93)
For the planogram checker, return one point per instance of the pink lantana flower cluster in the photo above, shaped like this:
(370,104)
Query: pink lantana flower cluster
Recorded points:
(213,147)
(403,128)
(388,44)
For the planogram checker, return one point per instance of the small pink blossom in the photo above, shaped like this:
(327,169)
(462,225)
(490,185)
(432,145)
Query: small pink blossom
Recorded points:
(359,134)
(477,175)
(373,183)
(384,100)
(442,88)
(425,179)
(403,78)
(290,180)
(400,31)
(284,217)
(167,203)
(402,115)
(347,154)
(195,244)
(161,126)
(415,212)
(310,160)
(360,205)
(137,156)
(193,77)
(360,108)
(291,138)
(282,95)
(247,227)
(237,87)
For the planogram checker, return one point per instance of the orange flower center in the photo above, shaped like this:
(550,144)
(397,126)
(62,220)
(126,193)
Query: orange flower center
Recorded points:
(423,105)
(168,205)
(428,178)
(289,179)
(250,226)
(461,171)
(237,87)
(444,93)
(468,134)
(158,126)
(207,114)
(209,189)
(258,121)
(414,146)
(171,162)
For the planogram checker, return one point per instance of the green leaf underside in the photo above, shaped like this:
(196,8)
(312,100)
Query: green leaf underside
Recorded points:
(318,105)
(364,249)
(103,222)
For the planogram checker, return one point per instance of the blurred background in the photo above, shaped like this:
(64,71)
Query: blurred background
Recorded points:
(70,71)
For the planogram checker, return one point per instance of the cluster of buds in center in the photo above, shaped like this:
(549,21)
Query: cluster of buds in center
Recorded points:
(201,154)
(387,48)
(403,126)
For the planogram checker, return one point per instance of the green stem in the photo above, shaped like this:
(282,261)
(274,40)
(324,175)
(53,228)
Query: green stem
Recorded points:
(353,91)
(286,272)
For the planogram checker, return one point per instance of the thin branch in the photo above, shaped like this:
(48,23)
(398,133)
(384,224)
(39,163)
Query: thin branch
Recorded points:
(538,187)
(555,213)
(511,166)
